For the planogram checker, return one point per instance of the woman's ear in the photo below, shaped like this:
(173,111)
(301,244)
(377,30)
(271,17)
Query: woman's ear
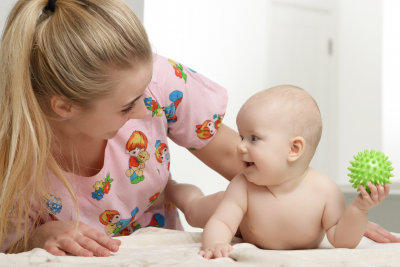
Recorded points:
(61,107)
(297,146)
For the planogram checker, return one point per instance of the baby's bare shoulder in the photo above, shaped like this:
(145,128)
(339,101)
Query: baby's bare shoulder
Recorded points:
(238,184)
(322,182)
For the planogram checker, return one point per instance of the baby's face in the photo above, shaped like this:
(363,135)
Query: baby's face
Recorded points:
(265,144)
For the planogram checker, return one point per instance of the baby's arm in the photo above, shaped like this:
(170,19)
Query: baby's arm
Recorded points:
(345,229)
(224,223)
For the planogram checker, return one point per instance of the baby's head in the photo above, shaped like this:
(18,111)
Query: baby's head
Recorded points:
(281,128)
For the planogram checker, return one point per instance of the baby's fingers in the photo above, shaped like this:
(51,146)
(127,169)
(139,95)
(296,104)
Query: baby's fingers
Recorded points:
(374,191)
(226,251)
(381,192)
(386,189)
(222,251)
(363,192)
(207,254)
(218,253)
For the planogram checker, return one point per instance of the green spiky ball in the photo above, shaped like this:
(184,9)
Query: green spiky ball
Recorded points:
(371,166)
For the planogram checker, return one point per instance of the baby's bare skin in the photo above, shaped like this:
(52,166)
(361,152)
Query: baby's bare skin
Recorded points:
(287,220)
(278,201)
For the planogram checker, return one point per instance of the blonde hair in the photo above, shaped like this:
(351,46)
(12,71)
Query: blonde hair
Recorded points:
(69,53)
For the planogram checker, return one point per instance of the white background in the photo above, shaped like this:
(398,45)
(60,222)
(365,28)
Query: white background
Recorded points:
(227,40)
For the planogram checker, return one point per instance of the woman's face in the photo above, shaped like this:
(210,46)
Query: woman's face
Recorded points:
(108,115)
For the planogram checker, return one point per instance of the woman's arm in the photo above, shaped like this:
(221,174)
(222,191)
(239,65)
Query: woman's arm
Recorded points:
(220,154)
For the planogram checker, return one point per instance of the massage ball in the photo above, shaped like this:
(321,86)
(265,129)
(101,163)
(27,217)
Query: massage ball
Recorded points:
(370,166)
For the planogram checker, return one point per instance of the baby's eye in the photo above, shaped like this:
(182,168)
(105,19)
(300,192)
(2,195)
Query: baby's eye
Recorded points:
(254,138)
(241,138)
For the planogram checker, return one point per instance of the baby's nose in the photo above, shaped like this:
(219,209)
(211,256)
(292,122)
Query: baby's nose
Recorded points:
(241,147)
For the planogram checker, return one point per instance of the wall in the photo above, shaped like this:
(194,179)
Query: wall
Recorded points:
(359,46)
(137,6)
(5,8)
(390,82)
(6,5)
(177,28)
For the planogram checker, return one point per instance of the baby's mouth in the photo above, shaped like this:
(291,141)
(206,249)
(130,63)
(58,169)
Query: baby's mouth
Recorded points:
(248,164)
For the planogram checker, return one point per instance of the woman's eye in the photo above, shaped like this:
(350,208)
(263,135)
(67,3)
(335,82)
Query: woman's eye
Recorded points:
(128,109)
(254,138)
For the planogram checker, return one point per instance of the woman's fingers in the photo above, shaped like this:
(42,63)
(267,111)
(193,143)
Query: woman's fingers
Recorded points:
(54,250)
(103,240)
(377,237)
(61,238)
(91,245)
(386,234)
(71,246)
(380,234)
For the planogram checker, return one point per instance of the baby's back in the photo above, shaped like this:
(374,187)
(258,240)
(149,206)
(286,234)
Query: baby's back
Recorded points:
(289,220)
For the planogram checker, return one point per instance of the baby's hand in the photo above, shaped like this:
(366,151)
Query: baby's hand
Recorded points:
(216,251)
(367,201)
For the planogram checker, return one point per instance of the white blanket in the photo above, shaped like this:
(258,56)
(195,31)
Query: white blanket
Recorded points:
(160,247)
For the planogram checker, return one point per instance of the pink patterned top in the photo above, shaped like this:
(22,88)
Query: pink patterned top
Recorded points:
(182,105)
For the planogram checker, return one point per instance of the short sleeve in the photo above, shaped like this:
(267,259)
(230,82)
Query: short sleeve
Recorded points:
(11,236)
(193,105)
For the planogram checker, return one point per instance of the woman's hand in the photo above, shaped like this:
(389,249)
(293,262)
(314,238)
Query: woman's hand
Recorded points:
(67,237)
(379,234)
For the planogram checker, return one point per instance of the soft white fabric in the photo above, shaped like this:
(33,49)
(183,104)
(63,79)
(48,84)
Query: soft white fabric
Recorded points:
(161,247)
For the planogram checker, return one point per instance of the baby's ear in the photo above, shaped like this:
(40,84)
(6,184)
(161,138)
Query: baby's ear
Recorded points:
(297,146)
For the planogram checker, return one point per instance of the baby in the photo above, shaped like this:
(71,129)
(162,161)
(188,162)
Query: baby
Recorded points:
(277,201)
